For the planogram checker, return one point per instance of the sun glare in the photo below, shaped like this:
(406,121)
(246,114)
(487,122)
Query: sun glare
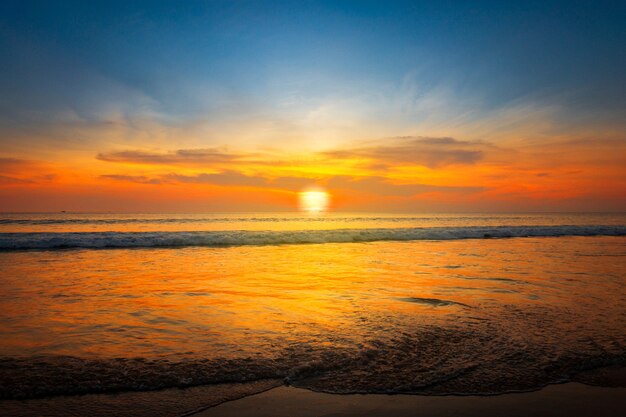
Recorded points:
(314,201)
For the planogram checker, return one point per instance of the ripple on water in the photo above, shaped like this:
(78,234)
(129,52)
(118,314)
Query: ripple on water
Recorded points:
(435,302)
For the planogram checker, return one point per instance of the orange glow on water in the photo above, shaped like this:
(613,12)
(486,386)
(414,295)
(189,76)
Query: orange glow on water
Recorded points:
(200,300)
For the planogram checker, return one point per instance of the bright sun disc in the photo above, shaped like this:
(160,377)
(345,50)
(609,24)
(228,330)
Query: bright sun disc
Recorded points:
(314,201)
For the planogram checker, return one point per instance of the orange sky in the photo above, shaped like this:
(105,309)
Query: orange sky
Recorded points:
(395,174)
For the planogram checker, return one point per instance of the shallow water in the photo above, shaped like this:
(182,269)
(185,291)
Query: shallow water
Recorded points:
(451,315)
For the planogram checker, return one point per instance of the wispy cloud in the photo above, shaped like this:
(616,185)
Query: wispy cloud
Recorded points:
(432,152)
(178,157)
(23,171)
(16,164)
(140,179)
(233,178)
(385,187)
(371,184)
(425,151)
(224,178)
(4,179)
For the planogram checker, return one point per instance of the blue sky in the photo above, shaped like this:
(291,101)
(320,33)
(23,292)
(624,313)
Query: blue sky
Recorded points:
(187,59)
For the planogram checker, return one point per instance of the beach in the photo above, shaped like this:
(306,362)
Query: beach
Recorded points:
(312,208)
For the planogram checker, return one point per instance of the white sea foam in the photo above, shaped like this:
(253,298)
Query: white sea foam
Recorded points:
(22,241)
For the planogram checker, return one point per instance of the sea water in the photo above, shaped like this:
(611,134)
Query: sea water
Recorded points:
(420,303)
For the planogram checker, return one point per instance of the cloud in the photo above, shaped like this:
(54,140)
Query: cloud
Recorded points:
(178,157)
(140,179)
(375,185)
(234,178)
(433,152)
(224,178)
(23,171)
(383,186)
(12,180)
(425,151)
(15,164)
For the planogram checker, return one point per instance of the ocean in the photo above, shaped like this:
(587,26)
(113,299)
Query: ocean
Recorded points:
(341,303)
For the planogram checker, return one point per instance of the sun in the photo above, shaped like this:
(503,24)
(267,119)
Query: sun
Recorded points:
(314,201)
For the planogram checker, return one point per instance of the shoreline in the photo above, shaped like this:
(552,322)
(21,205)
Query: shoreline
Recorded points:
(273,398)
(567,399)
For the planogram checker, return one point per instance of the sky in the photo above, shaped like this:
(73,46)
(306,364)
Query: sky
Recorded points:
(237,106)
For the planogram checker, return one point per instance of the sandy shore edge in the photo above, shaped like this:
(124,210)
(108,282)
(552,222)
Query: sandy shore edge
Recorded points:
(173,402)
(599,393)
(570,399)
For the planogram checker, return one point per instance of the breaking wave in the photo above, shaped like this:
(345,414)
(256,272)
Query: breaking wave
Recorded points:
(94,240)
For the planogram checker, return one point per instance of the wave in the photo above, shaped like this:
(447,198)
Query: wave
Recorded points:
(93,240)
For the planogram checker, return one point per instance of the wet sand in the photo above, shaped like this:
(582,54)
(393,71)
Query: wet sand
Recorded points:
(271,398)
(572,400)
(162,403)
